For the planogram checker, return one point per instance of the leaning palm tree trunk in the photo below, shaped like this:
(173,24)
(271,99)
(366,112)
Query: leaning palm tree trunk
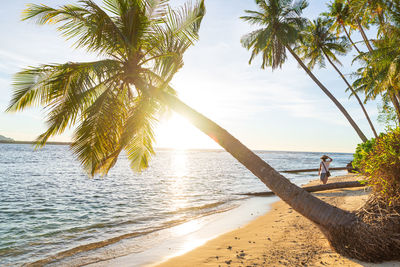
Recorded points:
(396,104)
(347,234)
(351,41)
(354,93)
(316,210)
(364,36)
(326,91)
(317,188)
(397,94)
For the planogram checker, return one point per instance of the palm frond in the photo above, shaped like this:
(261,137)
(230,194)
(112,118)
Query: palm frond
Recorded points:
(156,9)
(29,87)
(111,101)
(185,22)
(92,28)
(254,17)
(41,85)
(139,134)
(319,41)
(281,24)
(97,136)
(168,42)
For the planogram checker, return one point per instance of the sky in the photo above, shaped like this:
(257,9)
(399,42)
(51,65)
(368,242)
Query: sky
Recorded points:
(266,110)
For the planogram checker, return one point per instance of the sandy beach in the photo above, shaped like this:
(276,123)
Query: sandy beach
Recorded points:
(281,237)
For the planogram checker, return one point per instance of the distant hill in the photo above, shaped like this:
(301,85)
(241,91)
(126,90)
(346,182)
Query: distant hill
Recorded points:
(3,138)
(7,140)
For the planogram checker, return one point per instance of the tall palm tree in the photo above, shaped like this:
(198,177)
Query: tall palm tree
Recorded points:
(347,233)
(281,24)
(115,101)
(357,8)
(372,11)
(380,74)
(319,43)
(373,82)
(339,13)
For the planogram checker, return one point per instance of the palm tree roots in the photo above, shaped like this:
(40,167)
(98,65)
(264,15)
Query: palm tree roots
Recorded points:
(373,235)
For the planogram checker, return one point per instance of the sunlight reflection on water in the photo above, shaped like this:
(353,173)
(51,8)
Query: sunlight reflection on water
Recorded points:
(178,164)
(49,205)
(179,183)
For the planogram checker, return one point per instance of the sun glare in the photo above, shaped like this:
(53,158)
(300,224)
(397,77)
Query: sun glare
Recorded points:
(179,163)
(177,133)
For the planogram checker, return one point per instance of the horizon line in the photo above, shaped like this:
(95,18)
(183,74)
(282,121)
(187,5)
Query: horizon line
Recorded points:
(170,148)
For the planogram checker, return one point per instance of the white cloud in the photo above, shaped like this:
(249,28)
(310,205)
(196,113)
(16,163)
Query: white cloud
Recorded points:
(9,55)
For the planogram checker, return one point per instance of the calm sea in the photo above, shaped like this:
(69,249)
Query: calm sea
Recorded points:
(48,206)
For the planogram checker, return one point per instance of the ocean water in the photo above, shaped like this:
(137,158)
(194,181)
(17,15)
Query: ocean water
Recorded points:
(50,210)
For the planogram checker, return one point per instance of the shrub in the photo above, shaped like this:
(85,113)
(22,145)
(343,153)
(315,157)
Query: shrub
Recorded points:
(362,151)
(381,166)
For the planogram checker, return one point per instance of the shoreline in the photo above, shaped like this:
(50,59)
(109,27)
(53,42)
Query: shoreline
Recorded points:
(175,245)
(281,237)
(188,236)
(127,210)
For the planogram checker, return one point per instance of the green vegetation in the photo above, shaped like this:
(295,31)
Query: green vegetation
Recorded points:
(319,42)
(281,31)
(379,161)
(114,102)
(312,43)
(378,78)
(374,235)
(362,152)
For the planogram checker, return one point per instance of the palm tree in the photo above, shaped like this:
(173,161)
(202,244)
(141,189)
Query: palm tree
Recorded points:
(372,11)
(373,82)
(319,43)
(357,8)
(380,74)
(339,13)
(115,100)
(281,24)
(347,233)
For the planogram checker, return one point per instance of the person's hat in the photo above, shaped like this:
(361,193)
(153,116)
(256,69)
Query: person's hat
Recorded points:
(324,157)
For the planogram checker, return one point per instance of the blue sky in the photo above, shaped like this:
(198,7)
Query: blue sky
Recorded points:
(280,110)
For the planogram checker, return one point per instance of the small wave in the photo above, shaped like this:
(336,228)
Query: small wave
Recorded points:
(96,245)
(198,208)
(11,251)
(94,227)
(100,244)
(258,194)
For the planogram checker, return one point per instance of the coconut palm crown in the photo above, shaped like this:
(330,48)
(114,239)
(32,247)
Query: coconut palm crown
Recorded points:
(318,40)
(140,44)
(280,22)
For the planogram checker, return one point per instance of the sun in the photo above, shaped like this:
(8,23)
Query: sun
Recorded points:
(177,133)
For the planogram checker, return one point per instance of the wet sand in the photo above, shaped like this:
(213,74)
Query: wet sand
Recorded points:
(282,237)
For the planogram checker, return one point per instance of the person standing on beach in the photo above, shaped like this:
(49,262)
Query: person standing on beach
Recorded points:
(324,168)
